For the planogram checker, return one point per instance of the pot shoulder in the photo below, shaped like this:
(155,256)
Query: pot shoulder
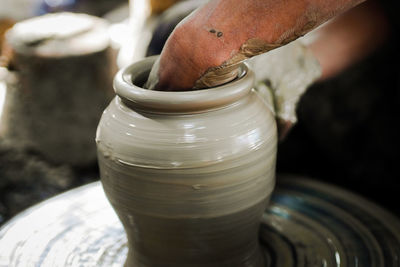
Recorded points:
(180,140)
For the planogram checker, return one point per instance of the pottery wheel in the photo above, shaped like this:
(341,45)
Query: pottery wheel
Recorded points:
(307,224)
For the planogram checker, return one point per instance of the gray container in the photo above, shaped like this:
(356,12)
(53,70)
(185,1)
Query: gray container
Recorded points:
(188,173)
(63,81)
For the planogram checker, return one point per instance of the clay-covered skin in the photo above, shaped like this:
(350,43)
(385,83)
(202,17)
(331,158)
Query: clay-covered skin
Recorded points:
(188,173)
(225,32)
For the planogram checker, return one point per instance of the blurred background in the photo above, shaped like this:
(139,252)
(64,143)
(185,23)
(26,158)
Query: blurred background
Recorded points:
(55,83)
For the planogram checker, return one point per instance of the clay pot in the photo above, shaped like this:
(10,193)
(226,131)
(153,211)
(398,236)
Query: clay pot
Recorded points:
(59,87)
(188,173)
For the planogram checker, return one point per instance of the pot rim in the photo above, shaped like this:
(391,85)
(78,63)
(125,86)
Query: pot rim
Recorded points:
(177,101)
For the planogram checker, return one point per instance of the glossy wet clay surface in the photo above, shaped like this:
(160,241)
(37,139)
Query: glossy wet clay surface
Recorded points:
(188,173)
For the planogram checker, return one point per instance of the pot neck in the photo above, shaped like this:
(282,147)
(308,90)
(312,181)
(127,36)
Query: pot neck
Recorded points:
(129,81)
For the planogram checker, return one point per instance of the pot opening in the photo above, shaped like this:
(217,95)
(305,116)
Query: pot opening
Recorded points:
(141,77)
(129,86)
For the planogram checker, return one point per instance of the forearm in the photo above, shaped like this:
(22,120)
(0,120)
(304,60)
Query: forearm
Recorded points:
(225,32)
(349,38)
(274,22)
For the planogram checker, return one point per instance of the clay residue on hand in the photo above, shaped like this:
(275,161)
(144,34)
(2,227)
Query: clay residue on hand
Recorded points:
(217,75)
(229,70)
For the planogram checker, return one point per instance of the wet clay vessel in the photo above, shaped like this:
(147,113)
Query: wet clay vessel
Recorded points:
(59,85)
(188,173)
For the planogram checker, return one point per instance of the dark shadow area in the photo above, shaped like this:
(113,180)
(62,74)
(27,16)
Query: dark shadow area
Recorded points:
(347,132)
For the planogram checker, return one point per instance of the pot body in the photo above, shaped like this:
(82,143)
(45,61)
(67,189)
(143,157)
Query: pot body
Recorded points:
(188,173)
(59,87)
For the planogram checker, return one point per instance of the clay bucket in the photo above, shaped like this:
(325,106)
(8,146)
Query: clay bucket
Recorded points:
(188,173)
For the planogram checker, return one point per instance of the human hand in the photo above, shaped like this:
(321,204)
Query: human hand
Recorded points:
(205,48)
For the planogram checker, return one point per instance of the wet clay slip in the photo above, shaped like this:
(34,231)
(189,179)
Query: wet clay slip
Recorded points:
(188,173)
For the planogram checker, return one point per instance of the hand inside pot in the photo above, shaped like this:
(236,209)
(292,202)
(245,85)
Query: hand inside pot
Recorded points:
(205,48)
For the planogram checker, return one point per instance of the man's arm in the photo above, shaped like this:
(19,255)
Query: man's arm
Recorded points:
(205,48)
